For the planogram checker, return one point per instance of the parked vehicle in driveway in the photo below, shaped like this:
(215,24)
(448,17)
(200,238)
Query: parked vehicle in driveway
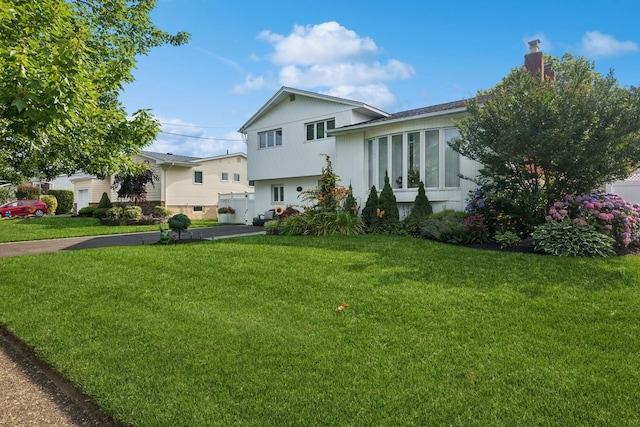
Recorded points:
(23,208)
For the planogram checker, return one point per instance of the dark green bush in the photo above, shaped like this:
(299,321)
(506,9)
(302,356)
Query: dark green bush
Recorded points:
(87,211)
(179,223)
(388,214)
(28,192)
(420,211)
(65,200)
(105,201)
(369,216)
(567,238)
(446,226)
(100,212)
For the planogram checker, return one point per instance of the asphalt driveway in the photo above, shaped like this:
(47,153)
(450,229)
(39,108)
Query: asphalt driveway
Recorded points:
(147,238)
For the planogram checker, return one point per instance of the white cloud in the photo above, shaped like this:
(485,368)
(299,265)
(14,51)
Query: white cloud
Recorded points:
(376,95)
(334,60)
(326,43)
(187,139)
(596,44)
(250,83)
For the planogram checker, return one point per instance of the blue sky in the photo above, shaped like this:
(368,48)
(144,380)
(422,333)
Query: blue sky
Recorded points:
(394,56)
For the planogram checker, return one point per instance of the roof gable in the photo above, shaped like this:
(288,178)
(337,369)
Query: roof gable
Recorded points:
(286,93)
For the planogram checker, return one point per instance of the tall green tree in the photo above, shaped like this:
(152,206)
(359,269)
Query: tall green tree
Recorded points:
(538,140)
(62,67)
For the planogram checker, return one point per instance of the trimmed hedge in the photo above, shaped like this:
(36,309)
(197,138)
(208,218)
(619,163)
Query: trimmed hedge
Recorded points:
(65,200)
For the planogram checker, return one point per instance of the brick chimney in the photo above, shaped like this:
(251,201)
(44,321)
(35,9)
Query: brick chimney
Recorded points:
(534,62)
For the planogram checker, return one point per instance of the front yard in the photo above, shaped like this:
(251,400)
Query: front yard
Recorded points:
(245,331)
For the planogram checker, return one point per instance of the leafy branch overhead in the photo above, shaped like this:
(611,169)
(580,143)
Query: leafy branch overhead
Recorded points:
(62,67)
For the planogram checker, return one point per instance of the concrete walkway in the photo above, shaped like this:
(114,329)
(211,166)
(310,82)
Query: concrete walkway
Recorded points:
(30,393)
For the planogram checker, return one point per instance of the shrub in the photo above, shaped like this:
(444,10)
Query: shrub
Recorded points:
(100,212)
(350,203)
(369,212)
(272,227)
(65,200)
(226,210)
(179,223)
(51,202)
(609,214)
(105,202)
(161,212)
(420,211)
(506,238)
(446,226)
(113,214)
(568,238)
(476,229)
(319,223)
(522,211)
(132,213)
(387,212)
(28,192)
(7,194)
(87,211)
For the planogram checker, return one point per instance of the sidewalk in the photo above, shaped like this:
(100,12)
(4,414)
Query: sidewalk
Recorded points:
(31,394)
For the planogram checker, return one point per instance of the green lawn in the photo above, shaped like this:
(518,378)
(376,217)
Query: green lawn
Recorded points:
(50,227)
(245,332)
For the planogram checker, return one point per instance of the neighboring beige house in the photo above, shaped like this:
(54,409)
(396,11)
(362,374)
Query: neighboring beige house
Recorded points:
(188,185)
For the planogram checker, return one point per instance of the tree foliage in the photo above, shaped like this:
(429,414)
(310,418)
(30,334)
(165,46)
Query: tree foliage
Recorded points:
(539,140)
(62,67)
(133,184)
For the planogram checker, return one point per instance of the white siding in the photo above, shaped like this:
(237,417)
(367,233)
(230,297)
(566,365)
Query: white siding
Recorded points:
(296,156)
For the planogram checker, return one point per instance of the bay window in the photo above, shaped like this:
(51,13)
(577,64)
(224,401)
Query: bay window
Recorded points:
(411,157)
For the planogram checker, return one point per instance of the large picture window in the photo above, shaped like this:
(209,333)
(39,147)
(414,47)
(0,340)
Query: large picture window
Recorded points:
(270,139)
(411,157)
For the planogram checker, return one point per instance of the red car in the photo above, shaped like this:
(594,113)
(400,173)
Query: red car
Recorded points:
(23,208)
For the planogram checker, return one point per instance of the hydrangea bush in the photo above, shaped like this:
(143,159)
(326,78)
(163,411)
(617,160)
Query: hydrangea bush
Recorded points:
(610,214)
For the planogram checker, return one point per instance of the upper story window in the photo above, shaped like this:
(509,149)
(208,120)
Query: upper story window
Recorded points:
(224,176)
(197,177)
(270,138)
(318,130)
(236,177)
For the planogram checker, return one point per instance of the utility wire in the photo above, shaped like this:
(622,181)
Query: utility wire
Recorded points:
(201,137)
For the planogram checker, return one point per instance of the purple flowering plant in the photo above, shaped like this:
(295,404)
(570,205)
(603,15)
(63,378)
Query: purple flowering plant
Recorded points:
(608,213)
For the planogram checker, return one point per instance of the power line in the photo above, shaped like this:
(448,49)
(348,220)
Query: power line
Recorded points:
(196,126)
(201,137)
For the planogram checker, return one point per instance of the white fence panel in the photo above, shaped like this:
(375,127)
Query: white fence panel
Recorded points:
(242,203)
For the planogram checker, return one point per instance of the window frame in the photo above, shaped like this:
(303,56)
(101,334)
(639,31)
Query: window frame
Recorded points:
(270,139)
(277,199)
(195,177)
(313,128)
(380,149)
(224,176)
(236,177)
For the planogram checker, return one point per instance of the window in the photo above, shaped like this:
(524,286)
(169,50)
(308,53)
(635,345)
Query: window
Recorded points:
(411,157)
(270,139)
(197,177)
(198,209)
(236,177)
(277,193)
(318,130)
(225,176)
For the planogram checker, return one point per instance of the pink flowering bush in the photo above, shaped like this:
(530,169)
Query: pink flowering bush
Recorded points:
(476,228)
(609,214)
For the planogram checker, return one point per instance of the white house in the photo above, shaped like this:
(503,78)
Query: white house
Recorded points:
(287,137)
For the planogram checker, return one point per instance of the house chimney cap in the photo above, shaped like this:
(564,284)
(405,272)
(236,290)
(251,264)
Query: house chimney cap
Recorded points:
(533,45)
